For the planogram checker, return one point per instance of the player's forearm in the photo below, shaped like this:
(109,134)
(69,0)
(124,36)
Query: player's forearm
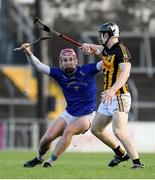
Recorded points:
(97,46)
(99,49)
(120,81)
(39,66)
(88,48)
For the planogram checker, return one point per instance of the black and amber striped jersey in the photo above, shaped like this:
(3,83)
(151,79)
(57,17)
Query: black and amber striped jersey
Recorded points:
(112,57)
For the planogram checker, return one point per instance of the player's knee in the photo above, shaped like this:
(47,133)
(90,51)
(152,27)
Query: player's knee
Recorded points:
(45,140)
(117,132)
(94,131)
(68,132)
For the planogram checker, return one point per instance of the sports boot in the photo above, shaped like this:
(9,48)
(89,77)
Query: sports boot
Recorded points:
(118,159)
(33,162)
(138,166)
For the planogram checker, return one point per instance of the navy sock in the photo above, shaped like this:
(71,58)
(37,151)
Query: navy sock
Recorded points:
(54,158)
(119,151)
(136,161)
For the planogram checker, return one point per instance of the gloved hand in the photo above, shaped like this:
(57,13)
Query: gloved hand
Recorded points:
(87,49)
(26,48)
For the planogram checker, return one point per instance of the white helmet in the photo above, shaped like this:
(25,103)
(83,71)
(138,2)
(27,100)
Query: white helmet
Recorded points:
(111,28)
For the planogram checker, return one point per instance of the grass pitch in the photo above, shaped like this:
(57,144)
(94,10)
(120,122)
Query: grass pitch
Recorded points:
(74,166)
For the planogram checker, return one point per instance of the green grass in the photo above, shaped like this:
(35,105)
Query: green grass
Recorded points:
(74,166)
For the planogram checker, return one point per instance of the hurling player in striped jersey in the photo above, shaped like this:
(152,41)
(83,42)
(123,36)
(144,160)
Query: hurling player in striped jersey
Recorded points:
(79,89)
(115,98)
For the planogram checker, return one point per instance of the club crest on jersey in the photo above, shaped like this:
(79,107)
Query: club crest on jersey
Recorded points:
(107,66)
(108,62)
(76,88)
(69,84)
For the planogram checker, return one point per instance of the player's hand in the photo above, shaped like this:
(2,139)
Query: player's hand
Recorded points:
(26,48)
(107,96)
(87,49)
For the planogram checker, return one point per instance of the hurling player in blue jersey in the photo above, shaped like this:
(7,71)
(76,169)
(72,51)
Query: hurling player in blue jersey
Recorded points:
(79,89)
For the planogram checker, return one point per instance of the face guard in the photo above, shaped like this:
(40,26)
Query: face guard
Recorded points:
(102,39)
(68,54)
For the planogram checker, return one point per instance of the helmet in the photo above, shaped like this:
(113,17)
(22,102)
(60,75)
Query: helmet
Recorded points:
(66,53)
(111,28)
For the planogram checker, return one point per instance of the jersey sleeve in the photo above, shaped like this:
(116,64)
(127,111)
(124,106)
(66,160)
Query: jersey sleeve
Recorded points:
(123,54)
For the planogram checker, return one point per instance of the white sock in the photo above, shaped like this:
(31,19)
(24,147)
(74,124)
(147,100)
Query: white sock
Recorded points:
(50,161)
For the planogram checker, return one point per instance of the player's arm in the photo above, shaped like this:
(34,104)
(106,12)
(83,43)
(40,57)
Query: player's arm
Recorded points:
(34,61)
(88,49)
(93,49)
(107,95)
(125,73)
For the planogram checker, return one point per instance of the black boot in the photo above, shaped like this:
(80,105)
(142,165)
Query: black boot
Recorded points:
(47,165)
(138,166)
(33,162)
(118,159)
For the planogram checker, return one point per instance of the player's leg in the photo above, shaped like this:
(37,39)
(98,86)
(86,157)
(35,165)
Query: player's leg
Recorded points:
(55,130)
(120,120)
(119,110)
(100,123)
(99,130)
(76,127)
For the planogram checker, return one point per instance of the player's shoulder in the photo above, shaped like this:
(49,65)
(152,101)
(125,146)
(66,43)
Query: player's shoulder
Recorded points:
(122,50)
(85,66)
(90,68)
(119,46)
(122,46)
(55,71)
(55,68)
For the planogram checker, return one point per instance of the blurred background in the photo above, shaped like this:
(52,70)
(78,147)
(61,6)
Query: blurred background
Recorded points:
(29,101)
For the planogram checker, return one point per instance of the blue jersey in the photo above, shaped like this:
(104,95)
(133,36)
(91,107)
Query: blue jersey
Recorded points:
(79,89)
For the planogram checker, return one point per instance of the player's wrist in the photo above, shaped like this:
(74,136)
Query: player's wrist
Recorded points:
(113,89)
(98,52)
(29,53)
